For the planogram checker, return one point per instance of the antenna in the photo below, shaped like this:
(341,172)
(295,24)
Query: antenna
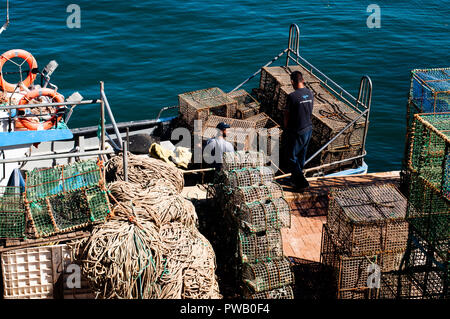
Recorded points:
(3,28)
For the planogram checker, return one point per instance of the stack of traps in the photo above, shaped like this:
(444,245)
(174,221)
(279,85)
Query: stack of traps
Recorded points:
(54,200)
(331,114)
(365,226)
(65,198)
(258,206)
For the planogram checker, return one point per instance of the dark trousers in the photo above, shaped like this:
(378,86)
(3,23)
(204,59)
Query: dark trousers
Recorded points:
(297,148)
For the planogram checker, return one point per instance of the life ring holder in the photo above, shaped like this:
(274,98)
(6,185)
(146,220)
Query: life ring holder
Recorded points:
(33,126)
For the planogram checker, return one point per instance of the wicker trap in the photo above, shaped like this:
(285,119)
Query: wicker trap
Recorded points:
(368,220)
(352,272)
(247,105)
(65,198)
(285,292)
(263,246)
(430,150)
(198,105)
(243,159)
(266,215)
(269,275)
(240,133)
(250,176)
(273,78)
(12,213)
(260,193)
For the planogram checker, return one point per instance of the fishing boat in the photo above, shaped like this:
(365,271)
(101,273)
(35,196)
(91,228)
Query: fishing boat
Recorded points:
(34,147)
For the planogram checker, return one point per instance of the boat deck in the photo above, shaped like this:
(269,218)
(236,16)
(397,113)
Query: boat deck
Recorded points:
(309,209)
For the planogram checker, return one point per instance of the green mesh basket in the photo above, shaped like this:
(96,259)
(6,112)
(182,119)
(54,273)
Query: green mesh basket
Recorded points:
(12,213)
(65,198)
(430,150)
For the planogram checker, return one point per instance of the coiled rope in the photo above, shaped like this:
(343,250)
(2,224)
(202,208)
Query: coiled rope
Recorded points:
(151,247)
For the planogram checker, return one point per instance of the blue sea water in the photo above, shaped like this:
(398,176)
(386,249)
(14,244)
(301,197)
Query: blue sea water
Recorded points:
(148,52)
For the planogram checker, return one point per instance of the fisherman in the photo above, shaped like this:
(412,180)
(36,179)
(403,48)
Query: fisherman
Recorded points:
(215,147)
(297,120)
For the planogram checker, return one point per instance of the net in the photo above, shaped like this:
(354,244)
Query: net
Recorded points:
(65,198)
(428,212)
(428,269)
(397,285)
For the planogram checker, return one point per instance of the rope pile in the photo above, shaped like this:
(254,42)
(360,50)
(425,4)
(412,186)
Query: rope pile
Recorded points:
(143,170)
(160,204)
(151,247)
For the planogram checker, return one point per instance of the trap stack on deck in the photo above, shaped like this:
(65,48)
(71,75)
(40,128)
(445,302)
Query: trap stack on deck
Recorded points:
(429,93)
(247,105)
(198,105)
(54,204)
(12,213)
(54,200)
(65,198)
(240,134)
(365,225)
(257,207)
(426,265)
(330,115)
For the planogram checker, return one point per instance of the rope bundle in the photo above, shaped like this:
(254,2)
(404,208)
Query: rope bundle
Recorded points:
(151,247)
(160,204)
(143,170)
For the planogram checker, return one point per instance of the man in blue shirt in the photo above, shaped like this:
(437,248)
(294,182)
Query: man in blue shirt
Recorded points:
(298,123)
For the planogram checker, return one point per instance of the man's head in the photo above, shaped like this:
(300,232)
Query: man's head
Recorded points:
(297,80)
(222,127)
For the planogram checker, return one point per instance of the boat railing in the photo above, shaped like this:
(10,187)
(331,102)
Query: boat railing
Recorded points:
(361,104)
(104,104)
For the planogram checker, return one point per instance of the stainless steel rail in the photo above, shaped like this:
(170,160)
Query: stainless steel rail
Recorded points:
(361,105)
(103,101)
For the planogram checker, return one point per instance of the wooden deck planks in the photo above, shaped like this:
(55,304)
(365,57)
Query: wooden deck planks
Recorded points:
(309,211)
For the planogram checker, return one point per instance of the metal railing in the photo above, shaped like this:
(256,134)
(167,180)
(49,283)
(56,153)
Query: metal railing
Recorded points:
(361,105)
(102,101)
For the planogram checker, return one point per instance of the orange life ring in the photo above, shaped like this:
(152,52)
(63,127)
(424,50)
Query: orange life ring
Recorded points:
(17,53)
(23,123)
